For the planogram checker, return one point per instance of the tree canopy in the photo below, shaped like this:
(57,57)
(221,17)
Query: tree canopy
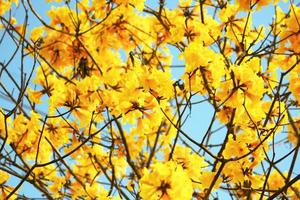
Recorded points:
(90,108)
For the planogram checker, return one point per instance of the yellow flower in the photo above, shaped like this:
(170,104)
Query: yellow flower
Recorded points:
(5,5)
(294,86)
(49,1)
(3,177)
(192,163)
(34,96)
(275,181)
(206,180)
(166,181)
(247,4)
(293,136)
(36,33)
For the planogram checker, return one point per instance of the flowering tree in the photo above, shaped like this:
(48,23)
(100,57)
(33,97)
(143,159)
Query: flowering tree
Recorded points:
(90,109)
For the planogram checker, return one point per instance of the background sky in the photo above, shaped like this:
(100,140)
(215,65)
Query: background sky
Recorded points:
(201,114)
